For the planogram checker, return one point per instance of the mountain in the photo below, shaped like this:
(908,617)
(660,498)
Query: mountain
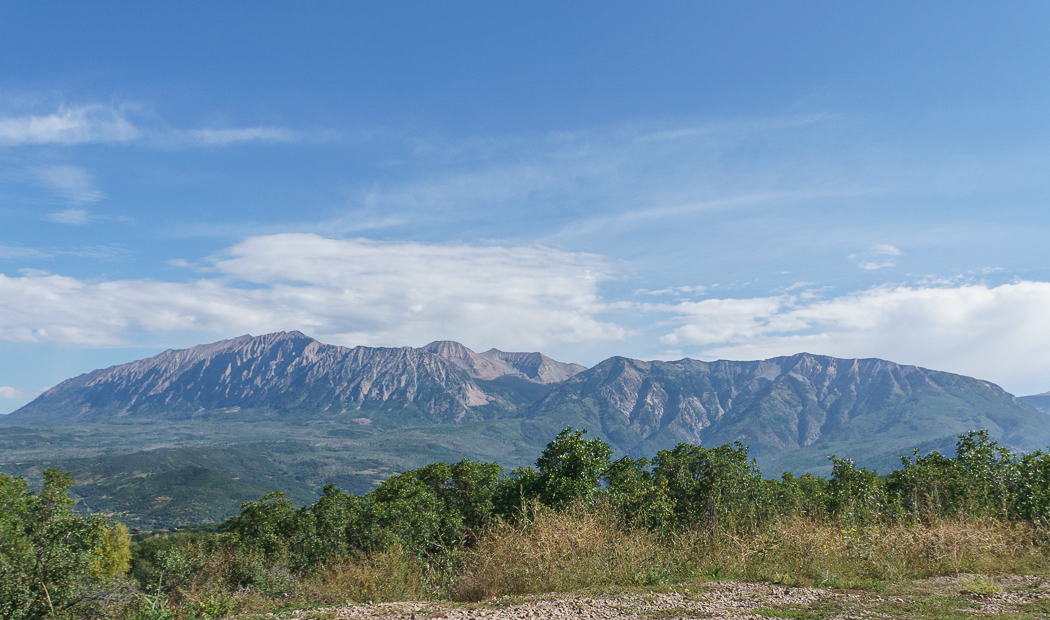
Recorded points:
(1040,402)
(186,435)
(289,373)
(793,411)
(494,363)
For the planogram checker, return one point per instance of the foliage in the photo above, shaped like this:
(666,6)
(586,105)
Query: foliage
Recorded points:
(432,510)
(113,556)
(577,519)
(710,488)
(984,479)
(48,554)
(854,494)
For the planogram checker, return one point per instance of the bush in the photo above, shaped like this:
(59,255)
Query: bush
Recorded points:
(53,562)
(710,488)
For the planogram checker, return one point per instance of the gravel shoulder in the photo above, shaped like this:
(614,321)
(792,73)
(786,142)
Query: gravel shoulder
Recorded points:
(964,597)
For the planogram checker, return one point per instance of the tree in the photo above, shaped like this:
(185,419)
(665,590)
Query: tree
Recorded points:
(571,467)
(48,554)
(710,487)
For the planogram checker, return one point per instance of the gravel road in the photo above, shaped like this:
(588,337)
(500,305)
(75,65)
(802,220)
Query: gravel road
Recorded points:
(716,601)
(732,600)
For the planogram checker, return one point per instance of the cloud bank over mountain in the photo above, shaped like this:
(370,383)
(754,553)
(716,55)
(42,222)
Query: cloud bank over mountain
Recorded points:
(361,292)
(349,291)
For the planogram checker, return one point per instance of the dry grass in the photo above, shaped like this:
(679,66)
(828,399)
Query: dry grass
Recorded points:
(385,577)
(560,552)
(582,549)
(800,551)
(573,550)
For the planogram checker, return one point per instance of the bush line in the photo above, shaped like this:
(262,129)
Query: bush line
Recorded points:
(577,520)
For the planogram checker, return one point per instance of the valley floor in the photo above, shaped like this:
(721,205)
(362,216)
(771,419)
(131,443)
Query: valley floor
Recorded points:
(944,598)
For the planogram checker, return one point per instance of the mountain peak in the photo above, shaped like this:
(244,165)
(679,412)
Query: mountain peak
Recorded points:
(494,363)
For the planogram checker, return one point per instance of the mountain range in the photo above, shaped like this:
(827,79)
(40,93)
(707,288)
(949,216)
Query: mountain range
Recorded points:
(292,399)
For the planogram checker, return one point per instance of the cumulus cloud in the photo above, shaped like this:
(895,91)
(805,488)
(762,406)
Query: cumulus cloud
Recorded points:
(997,333)
(69,125)
(11,393)
(343,291)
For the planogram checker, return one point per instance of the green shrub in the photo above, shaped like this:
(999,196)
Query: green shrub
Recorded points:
(854,494)
(710,488)
(48,554)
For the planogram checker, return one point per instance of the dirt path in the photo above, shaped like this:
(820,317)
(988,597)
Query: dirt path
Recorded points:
(1018,597)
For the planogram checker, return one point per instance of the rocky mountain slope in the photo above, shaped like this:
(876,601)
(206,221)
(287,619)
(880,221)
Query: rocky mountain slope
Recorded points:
(792,411)
(290,373)
(494,363)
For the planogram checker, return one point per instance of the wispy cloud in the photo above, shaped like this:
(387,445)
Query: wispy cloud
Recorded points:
(74,217)
(880,255)
(99,123)
(673,290)
(886,249)
(96,252)
(13,251)
(353,291)
(69,125)
(72,183)
(222,137)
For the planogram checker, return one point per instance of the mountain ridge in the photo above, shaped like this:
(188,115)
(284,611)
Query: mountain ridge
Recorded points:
(785,404)
(283,411)
(778,406)
(289,370)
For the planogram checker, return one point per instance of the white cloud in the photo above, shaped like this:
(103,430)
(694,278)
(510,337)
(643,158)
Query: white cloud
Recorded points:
(74,217)
(97,123)
(999,333)
(872,265)
(220,137)
(343,291)
(672,290)
(11,393)
(877,257)
(76,125)
(70,182)
(11,251)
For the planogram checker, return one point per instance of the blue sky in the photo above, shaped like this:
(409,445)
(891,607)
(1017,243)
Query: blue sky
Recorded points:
(659,180)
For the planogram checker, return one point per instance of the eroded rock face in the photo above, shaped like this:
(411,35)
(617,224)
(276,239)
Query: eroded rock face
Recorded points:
(285,370)
(289,371)
(491,364)
(776,406)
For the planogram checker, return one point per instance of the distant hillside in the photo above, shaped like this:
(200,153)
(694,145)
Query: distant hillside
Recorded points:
(791,410)
(1040,402)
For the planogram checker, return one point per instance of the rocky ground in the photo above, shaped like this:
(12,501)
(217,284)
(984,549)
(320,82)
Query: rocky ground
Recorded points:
(1016,598)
